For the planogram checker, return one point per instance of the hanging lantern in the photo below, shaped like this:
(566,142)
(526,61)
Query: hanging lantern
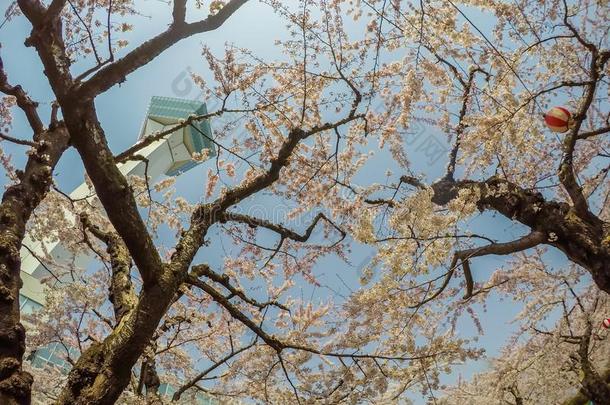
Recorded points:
(558,119)
(606,323)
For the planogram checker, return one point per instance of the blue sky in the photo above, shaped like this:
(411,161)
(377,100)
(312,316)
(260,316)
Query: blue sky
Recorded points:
(121,111)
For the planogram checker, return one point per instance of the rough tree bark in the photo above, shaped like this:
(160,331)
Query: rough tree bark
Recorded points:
(103,371)
(18,203)
(105,365)
(585,239)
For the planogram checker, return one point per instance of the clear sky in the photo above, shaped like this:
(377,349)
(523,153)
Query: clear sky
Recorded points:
(121,111)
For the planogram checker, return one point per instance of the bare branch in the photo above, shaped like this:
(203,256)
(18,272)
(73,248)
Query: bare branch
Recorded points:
(278,345)
(461,127)
(117,71)
(236,313)
(23,101)
(208,370)
(54,10)
(17,140)
(189,121)
(591,134)
(285,232)
(205,270)
(179,12)
(591,47)
(89,34)
(463,256)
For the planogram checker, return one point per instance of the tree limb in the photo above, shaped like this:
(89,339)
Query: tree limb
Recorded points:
(280,229)
(23,101)
(586,241)
(205,270)
(17,141)
(179,12)
(122,294)
(117,71)
(18,203)
(190,383)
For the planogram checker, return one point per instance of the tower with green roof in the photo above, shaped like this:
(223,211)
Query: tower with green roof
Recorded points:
(165,113)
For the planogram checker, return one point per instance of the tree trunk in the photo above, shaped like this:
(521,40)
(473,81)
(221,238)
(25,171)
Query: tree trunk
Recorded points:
(104,369)
(18,203)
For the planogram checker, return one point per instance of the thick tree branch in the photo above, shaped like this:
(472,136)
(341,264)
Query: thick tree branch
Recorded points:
(179,12)
(116,72)
(566,167)
(17,141)
(586,241)
(236,313)
(34,11)
(88,136)
(47,38)
(55,9)
(591,134)
(106,361)
(149,377)
(122,294)
(112,188)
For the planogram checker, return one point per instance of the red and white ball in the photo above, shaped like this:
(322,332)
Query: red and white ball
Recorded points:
(606,323)
(558,119)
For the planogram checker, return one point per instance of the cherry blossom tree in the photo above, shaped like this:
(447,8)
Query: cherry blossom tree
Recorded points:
(354,79)
(565,365)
